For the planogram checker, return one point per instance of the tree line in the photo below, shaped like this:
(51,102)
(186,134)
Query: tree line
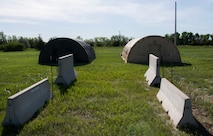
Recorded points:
(188,38)
(14,43)
(115,40)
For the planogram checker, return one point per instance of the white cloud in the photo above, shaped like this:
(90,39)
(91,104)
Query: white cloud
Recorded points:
(18,21)
(104,17)
(84,11)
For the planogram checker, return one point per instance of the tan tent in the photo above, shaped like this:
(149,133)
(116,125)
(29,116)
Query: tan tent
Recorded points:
(137,50)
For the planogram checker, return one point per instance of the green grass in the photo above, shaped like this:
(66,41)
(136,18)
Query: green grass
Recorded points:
(109,96)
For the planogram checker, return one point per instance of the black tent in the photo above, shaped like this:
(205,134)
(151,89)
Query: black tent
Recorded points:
(83,52)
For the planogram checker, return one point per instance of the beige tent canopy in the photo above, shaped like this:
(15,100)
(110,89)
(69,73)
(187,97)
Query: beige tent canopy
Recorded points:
(137,50)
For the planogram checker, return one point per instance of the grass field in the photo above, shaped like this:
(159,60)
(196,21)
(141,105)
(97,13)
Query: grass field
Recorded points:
(109,96)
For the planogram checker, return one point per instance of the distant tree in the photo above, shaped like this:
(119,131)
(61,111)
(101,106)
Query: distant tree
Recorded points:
(32,42)
(12,38)
(171,37)
(205,39)
(79,38)
(91,42)
(13,46)
(197,39)
(40,43)
(3,38)
(52,38)
(115,40)
(36,42)
(211,39)
(118,40)
(191,38)
(24,41)
(178,38)
(166,36)
(101,41)
(184,38)
(188,38)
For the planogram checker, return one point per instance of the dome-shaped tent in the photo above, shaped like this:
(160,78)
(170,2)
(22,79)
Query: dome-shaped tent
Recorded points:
(137,50)
(83,52)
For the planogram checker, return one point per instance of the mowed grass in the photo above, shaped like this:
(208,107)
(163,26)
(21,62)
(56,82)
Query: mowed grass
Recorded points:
(196,80)
(109,96)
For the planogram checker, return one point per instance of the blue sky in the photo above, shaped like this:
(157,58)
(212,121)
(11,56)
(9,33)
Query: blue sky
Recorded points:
(95,18)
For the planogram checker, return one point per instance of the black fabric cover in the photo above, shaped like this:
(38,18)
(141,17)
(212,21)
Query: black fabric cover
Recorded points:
(83,52)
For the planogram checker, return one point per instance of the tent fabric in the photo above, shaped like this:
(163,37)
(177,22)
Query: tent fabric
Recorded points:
(137,50)
(83,52)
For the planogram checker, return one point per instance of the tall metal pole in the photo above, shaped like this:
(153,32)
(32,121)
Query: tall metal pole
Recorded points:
(51,59)
(175,39)
(119,38)
(175,35)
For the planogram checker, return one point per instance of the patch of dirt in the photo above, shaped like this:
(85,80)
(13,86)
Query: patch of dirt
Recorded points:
(202,117)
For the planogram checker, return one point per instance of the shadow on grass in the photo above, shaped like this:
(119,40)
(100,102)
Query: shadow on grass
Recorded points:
(175,64)
(183,64)
(200,130)
(11,130)
(56,64)
(64,89)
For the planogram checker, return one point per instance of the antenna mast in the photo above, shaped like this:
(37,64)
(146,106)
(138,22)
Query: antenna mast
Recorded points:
(175,35)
